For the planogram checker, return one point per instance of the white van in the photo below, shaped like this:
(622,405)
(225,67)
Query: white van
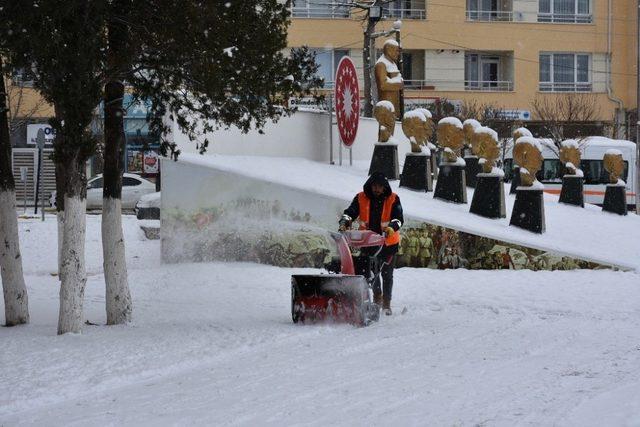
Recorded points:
(596,177)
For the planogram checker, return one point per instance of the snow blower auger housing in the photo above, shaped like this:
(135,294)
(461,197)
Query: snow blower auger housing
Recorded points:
(344,297)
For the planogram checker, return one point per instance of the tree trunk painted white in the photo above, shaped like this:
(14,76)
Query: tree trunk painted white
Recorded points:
(118,297)
(16,304)
(72,272)
(60,219)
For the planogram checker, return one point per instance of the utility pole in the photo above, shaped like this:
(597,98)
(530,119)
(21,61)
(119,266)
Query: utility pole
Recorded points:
(374,14)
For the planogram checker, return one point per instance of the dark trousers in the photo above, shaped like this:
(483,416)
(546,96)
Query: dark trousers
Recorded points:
(387,260)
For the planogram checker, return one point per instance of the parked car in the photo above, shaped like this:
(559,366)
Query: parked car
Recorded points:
(133,188)
(148,207)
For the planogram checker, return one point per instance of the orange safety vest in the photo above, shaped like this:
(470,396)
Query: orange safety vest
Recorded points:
(364,203)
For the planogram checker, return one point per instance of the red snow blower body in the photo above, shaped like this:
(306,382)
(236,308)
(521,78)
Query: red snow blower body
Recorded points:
(344,297)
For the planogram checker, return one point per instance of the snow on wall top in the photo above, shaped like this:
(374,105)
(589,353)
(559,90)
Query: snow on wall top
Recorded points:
(586,234)
(488,131)
(452,121)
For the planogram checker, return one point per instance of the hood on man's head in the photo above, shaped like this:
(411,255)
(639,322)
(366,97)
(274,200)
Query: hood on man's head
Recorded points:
(377,178)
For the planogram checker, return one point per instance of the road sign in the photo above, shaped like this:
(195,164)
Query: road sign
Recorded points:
(347,96)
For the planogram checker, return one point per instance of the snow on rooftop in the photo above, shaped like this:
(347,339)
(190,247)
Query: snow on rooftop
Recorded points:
(488,131)
(452,121)
(566,226)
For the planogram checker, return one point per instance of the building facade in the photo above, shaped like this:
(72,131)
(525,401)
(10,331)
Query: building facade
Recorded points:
(504,53)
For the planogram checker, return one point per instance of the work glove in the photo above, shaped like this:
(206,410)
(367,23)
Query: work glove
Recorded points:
(389,231)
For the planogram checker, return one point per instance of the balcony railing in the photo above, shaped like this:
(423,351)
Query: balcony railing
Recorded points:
(570,18)
(327,10)
(565,87)
(406,13)
(489,15)
(489,85)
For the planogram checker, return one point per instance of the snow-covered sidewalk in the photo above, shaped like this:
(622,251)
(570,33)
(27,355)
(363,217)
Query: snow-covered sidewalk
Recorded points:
(213,344)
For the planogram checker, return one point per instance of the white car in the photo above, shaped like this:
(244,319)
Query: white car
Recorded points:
(133,188)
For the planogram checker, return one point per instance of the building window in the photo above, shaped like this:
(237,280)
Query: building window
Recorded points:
(319,9)
(565,11)
(23,77)
(405,9)
(489,10)
(484,72)
(565,72)
(328,60)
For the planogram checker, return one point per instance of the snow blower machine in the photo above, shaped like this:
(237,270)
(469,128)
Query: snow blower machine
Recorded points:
(344,295)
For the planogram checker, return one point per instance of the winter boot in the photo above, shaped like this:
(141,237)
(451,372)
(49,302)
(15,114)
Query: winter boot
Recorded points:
(386,307)
(377,298)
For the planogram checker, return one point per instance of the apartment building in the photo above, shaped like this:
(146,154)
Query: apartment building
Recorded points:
(500,52)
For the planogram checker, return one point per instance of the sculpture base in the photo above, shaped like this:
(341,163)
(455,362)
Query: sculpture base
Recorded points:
(385,160)
(416,173)
(515,180)
(528,211)
(472,170)
(615,199)
(488,199)
(451,185)
(572,190)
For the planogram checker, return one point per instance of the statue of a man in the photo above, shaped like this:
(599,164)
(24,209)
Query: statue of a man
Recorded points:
(388,78)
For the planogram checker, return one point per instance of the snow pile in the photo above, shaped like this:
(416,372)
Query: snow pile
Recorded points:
(452,121)
(565,234)
(534,142)
(488,131)
(569,143)
(613,152)
(415,114)
(387,105)
(472,122)
(426,112)
(523,132)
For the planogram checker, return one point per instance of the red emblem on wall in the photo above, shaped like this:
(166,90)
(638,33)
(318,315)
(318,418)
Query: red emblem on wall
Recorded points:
(347,96)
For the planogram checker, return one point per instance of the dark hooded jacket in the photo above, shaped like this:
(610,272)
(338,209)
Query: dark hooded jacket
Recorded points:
(376,204)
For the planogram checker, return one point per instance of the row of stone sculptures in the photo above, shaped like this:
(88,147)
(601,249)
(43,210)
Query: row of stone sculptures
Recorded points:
(454,171)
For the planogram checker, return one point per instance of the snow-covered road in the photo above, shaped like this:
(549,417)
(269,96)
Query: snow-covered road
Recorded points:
(213,344)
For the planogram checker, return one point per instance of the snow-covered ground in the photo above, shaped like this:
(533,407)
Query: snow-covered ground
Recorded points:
(213,344)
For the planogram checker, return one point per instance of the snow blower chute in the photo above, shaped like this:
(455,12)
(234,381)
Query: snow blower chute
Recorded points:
(344,297)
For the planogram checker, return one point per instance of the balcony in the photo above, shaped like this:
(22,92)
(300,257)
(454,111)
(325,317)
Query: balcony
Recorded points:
(566,87)
(403,9)
(319,9)
(489,85)
(489,15)
(566,18)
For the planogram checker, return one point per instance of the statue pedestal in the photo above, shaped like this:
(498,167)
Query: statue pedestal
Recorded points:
(515,180)
(528,210)
(472,170)
(416,173)
(385,160)
(488,198)
(615,199)
(451,185)
(572,190)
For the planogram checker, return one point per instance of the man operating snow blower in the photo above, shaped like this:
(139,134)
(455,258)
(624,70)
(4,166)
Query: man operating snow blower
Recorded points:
(378,209)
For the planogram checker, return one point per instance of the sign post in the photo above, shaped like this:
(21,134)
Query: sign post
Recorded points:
(347,98)
(23,178)
(40,140)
